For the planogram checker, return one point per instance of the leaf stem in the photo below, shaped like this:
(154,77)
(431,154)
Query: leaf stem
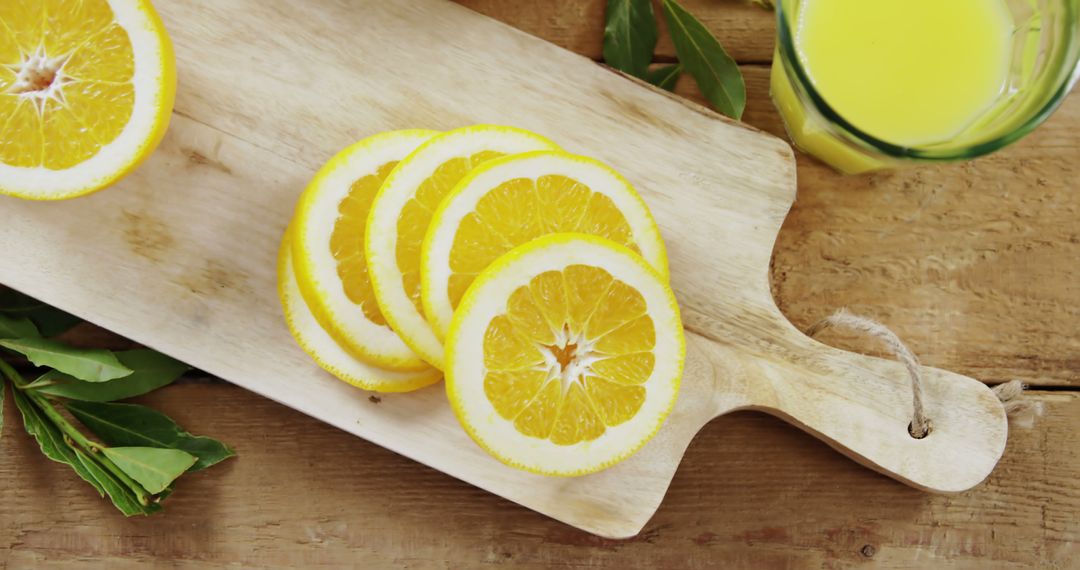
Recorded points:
(11,374)
(93,450)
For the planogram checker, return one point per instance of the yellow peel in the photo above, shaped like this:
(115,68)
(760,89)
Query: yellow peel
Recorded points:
(325,351)
(511,200)
(87,108)
(329,224)
(611,419)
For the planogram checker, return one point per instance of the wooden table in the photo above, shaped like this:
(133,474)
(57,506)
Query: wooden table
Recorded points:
(976,265)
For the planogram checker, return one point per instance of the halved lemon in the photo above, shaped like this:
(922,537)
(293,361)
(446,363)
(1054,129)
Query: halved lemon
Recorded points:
(325,351)
(328,248)
(401,213)
(509,201)
(565,355)
(86,91)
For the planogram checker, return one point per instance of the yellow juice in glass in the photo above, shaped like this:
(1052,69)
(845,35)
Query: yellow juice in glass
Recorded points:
(908,73)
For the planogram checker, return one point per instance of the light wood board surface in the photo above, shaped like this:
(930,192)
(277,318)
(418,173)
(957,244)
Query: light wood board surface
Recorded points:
(981,315)
(190,239)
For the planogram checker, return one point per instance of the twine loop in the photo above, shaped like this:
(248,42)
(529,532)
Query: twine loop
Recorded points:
(1010,393)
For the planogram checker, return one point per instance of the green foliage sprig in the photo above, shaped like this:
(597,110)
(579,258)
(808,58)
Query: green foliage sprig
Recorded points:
(630,35)
(132,454)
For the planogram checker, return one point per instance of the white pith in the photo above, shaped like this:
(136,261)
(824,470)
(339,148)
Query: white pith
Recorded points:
(41,78)
(317,267)
(463,199)
(400,187)
(580,364)
(135,17)
(326,352)
(487,299)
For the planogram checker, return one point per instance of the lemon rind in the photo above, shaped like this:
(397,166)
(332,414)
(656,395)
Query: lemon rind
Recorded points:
(325,351)
(316,268)
(155,78)
(438,242)
(380,240)
(571,248)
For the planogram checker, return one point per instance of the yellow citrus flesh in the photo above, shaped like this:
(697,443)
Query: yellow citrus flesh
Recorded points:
(402,211)
(578,314)
(347,242)
(510,201)
(565,356)
(329,252)
(86,89)
(522,210)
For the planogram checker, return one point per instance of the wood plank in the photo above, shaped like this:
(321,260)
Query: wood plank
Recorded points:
(745,30)
(973,264)
(752,491)
(192,235)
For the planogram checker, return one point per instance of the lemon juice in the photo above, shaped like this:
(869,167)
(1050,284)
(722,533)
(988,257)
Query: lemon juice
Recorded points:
(908,73)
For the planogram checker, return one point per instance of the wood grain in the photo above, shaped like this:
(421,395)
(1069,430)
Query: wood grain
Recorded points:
(752,492)
(744,29)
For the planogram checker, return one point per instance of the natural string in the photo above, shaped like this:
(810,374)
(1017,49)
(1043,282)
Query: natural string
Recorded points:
(1010,393)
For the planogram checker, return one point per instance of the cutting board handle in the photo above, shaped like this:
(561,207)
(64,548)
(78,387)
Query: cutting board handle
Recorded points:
(861,406)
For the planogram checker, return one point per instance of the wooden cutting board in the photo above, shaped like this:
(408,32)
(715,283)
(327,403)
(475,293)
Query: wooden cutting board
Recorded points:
(180,255)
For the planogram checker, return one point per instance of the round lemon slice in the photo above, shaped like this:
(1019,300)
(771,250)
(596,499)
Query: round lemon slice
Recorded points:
(565,355)
(328,248)
(401,213)
(86,92)
(509,201)
(325,351)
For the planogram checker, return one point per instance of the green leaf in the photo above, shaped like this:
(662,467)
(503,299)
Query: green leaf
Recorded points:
(665,77)
(50,439)
(152,370)
(154,468)
(139,426)
(88,365)
(50,321)
(119,494)
(704,58)
(630,36)
(17,327)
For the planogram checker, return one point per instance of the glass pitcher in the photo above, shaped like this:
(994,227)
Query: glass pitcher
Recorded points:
(1044,65)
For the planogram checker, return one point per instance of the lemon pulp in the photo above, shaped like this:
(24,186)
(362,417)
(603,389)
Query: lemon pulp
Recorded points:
(66,90)
(347,242)
(568,357)
(909,72)
(523,209)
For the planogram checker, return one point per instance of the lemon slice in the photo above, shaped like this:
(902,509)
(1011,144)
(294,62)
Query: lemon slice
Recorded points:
(328,248)
(565,355)
(86,90)
(401,213)
(511,200)
(322,348)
